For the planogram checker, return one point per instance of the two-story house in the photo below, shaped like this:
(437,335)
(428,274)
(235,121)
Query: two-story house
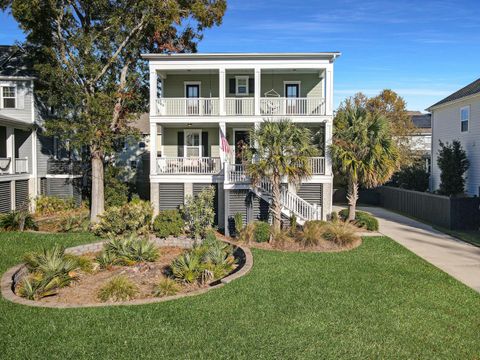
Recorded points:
(202,107)
(29,162)
(457,117)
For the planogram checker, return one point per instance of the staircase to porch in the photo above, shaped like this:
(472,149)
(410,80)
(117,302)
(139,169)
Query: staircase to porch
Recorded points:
(292,204)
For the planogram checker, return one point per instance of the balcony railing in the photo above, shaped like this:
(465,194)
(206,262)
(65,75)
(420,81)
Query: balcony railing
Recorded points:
(240,106)
(61,167)
(21,166)
(179,165)
(235,173)
(269,106)
(317,164)
(292,106)
(188,106)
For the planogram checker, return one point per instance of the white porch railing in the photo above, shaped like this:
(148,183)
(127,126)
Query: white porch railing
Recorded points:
(317,164)
(240,106)
(294,203)
(292,106)
(180,165)
(235,173)
(188,106)
(21,166)
(5,165)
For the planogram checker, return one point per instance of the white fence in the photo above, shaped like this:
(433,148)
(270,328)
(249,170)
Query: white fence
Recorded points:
(179,165)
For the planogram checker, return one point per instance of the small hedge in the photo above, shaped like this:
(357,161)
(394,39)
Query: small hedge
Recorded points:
(168,223)
(262,231)
(362,219)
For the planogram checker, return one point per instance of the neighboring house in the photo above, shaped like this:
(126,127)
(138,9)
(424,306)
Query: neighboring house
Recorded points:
(421,140)
(202,107)
(28,163)
(457,117)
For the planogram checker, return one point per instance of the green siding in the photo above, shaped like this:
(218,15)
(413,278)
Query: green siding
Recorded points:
(175,85)
(310,86)
(170,141)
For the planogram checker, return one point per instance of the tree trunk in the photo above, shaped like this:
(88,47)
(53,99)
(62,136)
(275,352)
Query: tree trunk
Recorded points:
(352,197)
(276,204)
(98,198)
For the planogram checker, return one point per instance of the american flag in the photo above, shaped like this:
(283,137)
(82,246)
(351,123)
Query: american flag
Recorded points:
(225,145)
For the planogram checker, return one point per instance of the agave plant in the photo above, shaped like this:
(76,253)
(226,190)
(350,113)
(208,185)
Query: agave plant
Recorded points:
(17,220)
(127,251)
(51,262)
(188,267)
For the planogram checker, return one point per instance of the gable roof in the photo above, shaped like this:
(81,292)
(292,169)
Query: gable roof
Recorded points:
(422,121)
(471,89)
(13,62)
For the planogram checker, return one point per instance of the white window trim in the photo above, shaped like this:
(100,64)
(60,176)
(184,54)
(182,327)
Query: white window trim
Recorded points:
(199,83)
(1,96)
(468,119)
(234,147)
(247,90)
(291,82)
(200,147)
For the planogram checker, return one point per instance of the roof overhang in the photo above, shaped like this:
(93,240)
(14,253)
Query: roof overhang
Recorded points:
(330,56)
(445,104)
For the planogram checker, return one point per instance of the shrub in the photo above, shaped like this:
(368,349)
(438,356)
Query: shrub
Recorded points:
(453,162)
(116,189)
(133,217)
(340,233)
(280,237)
(247,234)
(48,205)
(293,224)
(238,220)
(262,231)
(81,262)
(199,212)
(119,288)
(362,219)
(127,251)
(413,177)
(166,287)
(187,267)
(74,223)
(168,222)
(17,221)
(49,270)
(334,216)
(311,233)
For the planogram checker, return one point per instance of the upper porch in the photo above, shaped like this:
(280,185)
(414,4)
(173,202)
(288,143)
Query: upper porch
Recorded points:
(246,85)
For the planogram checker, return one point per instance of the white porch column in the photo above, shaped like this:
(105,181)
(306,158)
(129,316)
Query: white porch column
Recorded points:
(222,133)
(11,148)
(328,142)
(33,177)
(153,148)
(153,91)
(257,90)
(329,91)
(221,90)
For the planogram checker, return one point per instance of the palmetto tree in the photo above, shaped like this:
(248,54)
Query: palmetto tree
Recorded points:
(363,150)
(280,149)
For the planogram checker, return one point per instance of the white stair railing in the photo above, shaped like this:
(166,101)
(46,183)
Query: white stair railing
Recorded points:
(236,173)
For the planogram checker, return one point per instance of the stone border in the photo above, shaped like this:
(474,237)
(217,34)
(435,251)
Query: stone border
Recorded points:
(6,281)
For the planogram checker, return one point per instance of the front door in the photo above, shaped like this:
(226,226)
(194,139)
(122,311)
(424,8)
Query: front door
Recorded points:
(292,92)
(192,92)
(241,144)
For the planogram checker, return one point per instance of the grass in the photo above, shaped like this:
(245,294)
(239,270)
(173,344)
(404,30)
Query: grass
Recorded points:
(377,301)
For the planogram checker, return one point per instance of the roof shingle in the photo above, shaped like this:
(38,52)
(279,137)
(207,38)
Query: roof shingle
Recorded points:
(470,89)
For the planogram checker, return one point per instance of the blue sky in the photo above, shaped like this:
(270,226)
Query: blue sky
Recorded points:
(422,49)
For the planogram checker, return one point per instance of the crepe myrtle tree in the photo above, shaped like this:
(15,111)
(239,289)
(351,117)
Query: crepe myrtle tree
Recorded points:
(281,149)
(363,150)
(90,74)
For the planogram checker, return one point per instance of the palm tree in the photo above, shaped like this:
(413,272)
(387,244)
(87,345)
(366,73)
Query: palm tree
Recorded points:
(363,150)
(280,150)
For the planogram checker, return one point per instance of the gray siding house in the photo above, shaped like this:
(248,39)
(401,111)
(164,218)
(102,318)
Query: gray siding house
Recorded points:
(29,164)
(457,117)
(202,107)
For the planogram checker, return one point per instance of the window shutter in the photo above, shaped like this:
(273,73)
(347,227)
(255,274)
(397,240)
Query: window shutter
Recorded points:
(180,144)
(205,143)
(232,86)
(251,85)
(20,98)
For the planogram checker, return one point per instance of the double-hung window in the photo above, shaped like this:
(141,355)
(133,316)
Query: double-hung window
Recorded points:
(193,143)
(9,97)
(464,118)
(241,85)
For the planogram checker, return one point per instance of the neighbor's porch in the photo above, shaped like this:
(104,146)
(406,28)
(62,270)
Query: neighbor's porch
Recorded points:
(15,150)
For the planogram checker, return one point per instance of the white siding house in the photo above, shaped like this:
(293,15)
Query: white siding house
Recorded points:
(457,117)
(202,107)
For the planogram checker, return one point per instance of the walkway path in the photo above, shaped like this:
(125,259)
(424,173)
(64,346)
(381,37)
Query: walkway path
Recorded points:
(455,257)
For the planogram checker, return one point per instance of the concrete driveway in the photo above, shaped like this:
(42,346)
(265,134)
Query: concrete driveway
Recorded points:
(457,258)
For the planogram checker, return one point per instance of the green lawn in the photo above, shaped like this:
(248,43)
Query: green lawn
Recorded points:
(378,301)
(472,237)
